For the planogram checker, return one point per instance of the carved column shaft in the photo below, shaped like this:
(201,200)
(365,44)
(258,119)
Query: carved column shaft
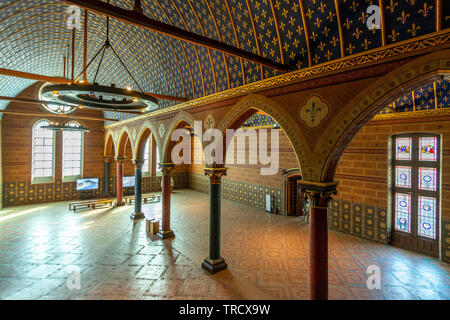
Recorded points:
(165,231)
(319,195)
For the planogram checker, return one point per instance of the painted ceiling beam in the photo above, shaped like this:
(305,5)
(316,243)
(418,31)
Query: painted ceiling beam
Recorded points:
(38,77)
(137,18)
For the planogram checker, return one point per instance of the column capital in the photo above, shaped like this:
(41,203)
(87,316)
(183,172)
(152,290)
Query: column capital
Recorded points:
(166,167)
(319,193)
(120,159)
(216,174)
(138,162)
(109,158)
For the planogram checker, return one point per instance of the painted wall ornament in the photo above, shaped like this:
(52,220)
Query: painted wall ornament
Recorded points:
(162,130)
(209,122)
(314,111)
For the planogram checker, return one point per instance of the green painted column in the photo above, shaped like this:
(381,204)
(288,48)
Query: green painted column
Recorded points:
(107,175)
(137,189)
(214,262)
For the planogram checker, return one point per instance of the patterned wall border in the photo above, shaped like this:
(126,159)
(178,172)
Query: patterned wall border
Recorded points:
(250,194)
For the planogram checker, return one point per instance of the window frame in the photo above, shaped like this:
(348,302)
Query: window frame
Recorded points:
(48,179)
(72,178)
(414,190)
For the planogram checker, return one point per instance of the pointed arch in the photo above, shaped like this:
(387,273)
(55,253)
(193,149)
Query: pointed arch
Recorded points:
(124,137)
(250,104)
(181,117)
(146,130)
(366,104)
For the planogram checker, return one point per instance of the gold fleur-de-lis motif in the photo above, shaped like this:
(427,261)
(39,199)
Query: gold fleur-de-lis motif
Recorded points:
(391,6)
(363,17)
(354,6)
(403,17)
(357,33)
(325,31)
(393,36)
(350,49)
(334,41)
(366,44)
(328,54)
(322,7)
(425,9)
(316,58)
(309,13)
(411,2)
(313,36)
(318,22)
(331,16)
(347,23)
(321,46)
(413,30)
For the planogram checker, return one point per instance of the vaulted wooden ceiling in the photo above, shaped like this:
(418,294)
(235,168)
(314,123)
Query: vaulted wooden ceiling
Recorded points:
(297,33)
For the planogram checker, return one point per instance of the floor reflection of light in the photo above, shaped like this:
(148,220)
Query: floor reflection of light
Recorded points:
(94,212)
(19,214)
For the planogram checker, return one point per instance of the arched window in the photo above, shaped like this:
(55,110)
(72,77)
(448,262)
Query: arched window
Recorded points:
(158,169)
(72,153)
(42,153)
(145,166)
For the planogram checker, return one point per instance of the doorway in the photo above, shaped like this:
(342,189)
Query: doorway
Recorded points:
(415,181)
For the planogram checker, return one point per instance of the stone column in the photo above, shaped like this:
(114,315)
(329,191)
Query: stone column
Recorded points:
(319,195)
(119,181)
(108,160)
(137,189)
(165,231)
(214,262)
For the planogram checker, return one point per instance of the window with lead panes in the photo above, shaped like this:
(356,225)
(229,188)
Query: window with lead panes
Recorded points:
(416,184)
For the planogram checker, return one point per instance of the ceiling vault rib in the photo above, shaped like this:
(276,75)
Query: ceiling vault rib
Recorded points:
(174,51)
(194,47)
(220,39)
(209,50)
(277,28)
(237,39)
(383,22)
(134,17)
(255,34)
(438,14)
(305,29)
(341,34)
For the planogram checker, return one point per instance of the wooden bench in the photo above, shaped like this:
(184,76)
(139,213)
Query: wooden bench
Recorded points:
(89,203)
(146,198)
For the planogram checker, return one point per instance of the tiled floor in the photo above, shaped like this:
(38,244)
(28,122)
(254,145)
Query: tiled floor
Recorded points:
(267,256)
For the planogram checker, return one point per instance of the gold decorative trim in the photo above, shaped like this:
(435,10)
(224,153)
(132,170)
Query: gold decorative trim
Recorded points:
(433,40)
(412,114)
(341,34)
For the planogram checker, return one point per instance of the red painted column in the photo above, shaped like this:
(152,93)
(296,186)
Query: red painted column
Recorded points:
(319,194)
(119,181)
(318,253)
(165,231)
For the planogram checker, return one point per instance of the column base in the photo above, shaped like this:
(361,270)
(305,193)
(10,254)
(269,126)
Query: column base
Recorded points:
(138,215)
(119,204)
(165,234)
(214,265)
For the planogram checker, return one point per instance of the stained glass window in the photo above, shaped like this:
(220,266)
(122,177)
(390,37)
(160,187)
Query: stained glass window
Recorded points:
(427,179)
(428,149)
(427,217)
(403,212)
(403,176)
(403,148)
